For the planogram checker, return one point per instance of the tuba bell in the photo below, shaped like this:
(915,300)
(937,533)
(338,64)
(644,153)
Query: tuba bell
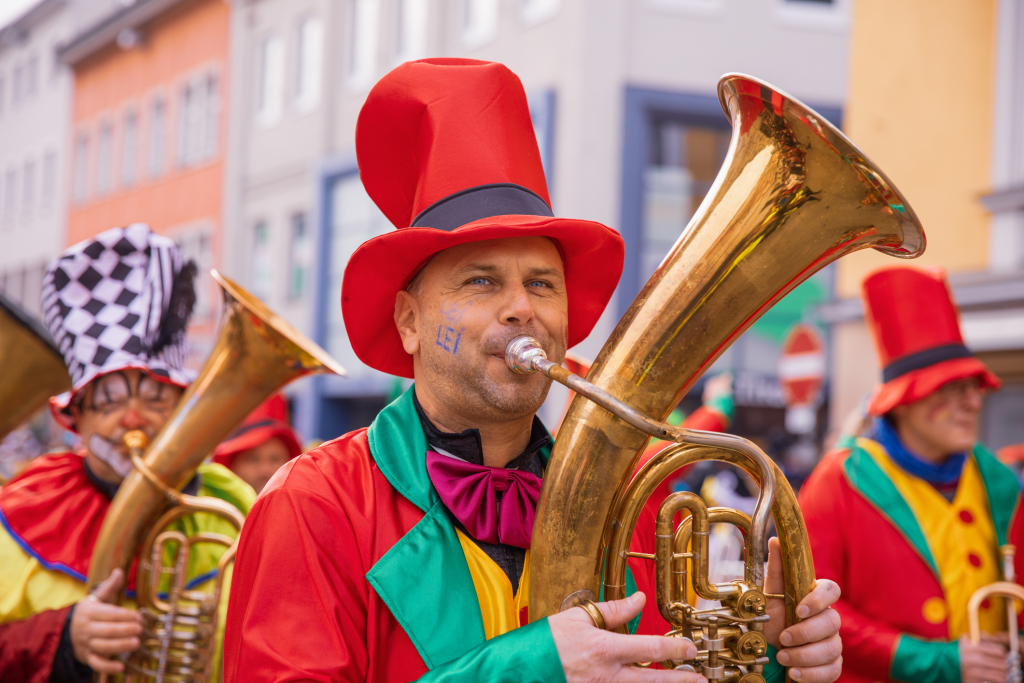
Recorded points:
(33,369)
(793,195)
(255,354)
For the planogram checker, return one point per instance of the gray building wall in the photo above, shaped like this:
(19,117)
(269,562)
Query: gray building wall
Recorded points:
(582,57)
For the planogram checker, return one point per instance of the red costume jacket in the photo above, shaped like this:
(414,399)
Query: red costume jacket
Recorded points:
(349,569)
(865,537)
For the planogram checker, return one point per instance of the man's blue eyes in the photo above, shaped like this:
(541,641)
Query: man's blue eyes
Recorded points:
(485,281)
(479,281)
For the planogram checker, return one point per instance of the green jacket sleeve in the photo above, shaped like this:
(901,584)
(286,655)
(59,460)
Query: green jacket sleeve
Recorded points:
(526,655)
(773,671)
(926,661)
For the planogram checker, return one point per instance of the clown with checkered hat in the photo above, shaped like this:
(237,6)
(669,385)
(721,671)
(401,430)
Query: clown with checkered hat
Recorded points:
(117,306)
(909,517)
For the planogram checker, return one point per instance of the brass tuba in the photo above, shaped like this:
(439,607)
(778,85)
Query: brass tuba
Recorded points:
(1011,591)
(33,369)
(256,354)
(793,195)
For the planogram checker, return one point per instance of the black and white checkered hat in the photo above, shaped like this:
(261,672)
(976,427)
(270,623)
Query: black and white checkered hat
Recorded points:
(107,303)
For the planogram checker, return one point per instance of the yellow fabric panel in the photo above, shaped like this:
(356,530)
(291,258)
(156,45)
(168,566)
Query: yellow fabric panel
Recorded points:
(26,587)
(498,606)
(961,536)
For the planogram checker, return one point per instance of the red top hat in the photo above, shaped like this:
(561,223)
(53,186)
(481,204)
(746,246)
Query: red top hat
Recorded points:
(447,150)
(916,327)
(269,420)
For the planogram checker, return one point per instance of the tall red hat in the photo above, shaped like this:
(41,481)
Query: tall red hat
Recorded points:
(447,150)
(916,327)
(269,420)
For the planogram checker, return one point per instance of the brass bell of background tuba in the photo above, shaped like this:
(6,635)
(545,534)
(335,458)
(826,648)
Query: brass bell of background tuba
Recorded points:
(793,195)
(255,355)
(31,367)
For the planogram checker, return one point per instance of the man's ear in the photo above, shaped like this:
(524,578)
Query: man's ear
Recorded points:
(407,320)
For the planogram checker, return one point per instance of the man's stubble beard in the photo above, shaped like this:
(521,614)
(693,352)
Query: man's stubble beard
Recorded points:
(462,379)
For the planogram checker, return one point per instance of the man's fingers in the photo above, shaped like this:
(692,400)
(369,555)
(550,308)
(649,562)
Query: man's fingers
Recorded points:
(103,665)
(818,674)
(113,629)
(774,580)
(632,674)
(109,589)
(619,612)
(100,611)
(991,649)
(113,646)
(818,627)
(813,654)
(630,649)
(824,595)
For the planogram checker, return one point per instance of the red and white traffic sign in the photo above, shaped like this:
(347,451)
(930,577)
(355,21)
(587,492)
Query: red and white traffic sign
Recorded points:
(802,366)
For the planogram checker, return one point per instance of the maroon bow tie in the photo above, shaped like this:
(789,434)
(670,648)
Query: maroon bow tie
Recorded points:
(468,492)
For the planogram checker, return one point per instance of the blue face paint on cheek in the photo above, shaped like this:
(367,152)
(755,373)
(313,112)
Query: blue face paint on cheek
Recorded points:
(448,338)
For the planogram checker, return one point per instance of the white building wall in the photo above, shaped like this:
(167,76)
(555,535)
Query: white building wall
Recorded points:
(35,109)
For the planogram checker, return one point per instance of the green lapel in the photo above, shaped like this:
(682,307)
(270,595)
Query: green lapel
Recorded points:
(867,477)
(1002,489)
(424,579)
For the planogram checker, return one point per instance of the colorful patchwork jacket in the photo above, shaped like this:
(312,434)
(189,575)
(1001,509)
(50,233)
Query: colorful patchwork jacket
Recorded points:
(350,569)
(907,559)
(51,516)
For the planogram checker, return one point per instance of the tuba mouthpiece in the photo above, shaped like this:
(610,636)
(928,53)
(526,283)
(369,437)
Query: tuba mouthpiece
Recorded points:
(520,352)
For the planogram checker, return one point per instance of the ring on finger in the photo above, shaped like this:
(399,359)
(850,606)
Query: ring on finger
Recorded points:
(595,614)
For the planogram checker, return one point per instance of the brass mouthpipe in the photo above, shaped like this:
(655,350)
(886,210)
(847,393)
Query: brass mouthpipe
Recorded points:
(525,355)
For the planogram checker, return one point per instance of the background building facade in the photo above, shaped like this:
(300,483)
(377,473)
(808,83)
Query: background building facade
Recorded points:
(942,111)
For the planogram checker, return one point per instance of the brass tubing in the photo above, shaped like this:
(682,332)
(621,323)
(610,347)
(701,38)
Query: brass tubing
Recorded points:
(716,515)
(525,355)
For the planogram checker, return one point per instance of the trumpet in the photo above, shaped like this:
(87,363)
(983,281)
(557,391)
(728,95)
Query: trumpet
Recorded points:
(255,354)
(794,195)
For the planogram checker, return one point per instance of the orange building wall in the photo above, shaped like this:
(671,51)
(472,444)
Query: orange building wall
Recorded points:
(176,46)
(189,40)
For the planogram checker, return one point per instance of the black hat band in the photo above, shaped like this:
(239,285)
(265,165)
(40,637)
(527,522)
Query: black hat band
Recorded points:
(923,359)
(483,201)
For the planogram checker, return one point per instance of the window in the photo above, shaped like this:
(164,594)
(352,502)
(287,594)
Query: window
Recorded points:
(354,219)
(103,159)
(270,81)
(309,63)
(81,161)
(129,148)
(10,196)
(198,118)
(17,87)
(410,30)
(479,22)
(31,76)
(262,262)
(28,190)
(48,198)
(686,161)
(299,257)
(157,136)
(536,11)
(364,19)
(211,116)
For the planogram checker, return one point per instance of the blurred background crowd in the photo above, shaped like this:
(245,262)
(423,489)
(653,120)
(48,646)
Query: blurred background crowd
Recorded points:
(228,125)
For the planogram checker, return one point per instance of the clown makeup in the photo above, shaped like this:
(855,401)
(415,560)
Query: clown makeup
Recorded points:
(114,404)
(943,423)
(471,301)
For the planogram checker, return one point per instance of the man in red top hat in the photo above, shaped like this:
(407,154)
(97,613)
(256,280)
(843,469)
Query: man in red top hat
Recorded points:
(261,444)
(910,518)
(384,555)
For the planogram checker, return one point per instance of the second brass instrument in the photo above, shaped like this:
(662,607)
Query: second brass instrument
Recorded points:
(793,196)
(255,355)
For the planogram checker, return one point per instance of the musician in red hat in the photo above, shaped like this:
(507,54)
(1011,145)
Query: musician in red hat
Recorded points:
(261,445)
(401,551)
(909,519)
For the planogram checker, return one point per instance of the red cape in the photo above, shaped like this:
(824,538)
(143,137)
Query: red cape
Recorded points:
(54,513)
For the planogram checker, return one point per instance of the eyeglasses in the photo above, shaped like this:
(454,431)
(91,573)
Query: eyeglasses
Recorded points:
(960,389)
(111,395)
